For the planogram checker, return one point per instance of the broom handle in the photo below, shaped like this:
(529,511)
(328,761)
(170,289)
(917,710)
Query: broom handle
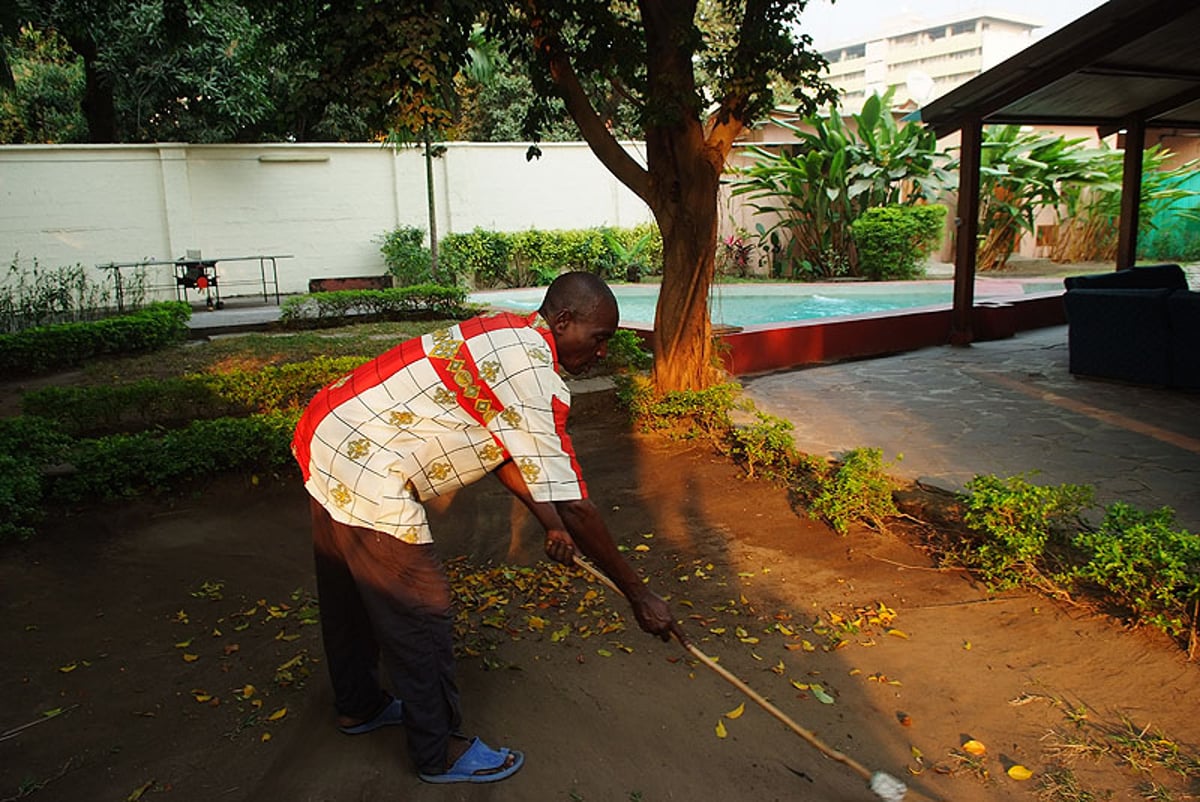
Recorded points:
(778,714)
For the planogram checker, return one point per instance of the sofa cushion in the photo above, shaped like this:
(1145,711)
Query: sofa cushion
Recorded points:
(1183,316)
(1147,277)
(1119,334)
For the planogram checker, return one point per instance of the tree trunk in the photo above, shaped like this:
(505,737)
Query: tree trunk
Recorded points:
(683,197)
(98,106)
(432,201)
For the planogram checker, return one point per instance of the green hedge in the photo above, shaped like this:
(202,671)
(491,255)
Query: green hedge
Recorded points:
(333,308)
(535,257)
(125,465)
(171,403)
(47,348)
(893,241)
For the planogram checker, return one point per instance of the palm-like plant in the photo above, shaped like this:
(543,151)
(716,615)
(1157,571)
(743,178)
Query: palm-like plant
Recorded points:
(1021,172)
(835,173)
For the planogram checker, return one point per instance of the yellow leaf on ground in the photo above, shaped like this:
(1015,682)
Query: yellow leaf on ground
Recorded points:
(138,792)
(641,547)
(721,732)
(737,711)
(974,747)
(266,736)
(278,714)
(898,633)
(248,691)
(1019,772)
(201,696)
(183,644)
(190,658)
(68,668)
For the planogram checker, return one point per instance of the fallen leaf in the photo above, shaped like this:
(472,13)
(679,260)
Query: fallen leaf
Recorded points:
(137,793)
(68,668)
(974,747)
(736,712)
(820,694)
(641,547)
(230,648)
(190,658)
(52,713)
(898,633)
(183,644)
(604,652)
(278,714)
(721,732)
(201,696)
(248,691)
(266,736)
(1019,772)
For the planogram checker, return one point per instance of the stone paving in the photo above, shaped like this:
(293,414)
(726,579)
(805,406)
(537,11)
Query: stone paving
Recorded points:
(1004,407)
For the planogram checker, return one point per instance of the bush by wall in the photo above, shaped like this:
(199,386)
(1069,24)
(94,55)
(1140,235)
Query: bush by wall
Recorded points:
(398,303)
(47,348)
(530,258)
(893,241)
(406,257)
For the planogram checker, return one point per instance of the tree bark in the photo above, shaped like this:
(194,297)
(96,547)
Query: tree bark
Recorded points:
(98,106)
(683,198)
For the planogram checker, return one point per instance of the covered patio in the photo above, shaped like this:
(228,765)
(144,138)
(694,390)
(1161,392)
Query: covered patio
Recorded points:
(1128,67)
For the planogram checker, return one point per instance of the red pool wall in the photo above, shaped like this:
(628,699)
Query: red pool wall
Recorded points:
(757,349)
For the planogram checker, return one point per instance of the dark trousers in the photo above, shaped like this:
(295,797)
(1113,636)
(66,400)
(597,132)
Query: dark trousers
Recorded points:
(381,596)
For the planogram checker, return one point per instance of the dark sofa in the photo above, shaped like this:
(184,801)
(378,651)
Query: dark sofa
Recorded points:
(1139,325)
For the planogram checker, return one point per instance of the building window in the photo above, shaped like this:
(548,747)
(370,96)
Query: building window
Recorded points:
(961,28)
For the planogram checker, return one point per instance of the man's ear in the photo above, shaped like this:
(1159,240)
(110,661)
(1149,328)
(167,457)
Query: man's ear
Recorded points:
(561,320)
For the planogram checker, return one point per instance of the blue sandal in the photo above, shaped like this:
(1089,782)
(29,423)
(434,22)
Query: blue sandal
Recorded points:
(479,764)
(393,713)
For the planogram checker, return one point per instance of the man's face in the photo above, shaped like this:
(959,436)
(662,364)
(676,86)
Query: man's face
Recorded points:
(583,340)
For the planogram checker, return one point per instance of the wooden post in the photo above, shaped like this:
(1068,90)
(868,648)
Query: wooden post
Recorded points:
(1131,193)
(967,232)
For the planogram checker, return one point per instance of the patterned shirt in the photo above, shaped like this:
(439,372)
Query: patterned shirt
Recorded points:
(436,413)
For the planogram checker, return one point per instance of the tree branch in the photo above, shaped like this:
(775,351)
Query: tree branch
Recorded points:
(602,142)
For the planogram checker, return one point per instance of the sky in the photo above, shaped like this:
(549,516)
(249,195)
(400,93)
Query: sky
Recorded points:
(832,23)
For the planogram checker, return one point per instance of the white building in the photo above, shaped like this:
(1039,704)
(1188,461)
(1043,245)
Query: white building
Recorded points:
(923,59)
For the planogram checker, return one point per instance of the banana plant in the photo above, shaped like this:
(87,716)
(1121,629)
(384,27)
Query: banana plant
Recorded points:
(815,190)
(1021,172)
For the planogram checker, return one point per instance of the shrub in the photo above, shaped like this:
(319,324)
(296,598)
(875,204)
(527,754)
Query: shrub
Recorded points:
(407,259)
(1144,564)
(482,256)
(398,303)
(1016,520)
(893,241)
(684,414)
(857,489)
(625,352)
(171,403)
(125,465)
(767,444)
(27,447)
(534,257)
(47,348)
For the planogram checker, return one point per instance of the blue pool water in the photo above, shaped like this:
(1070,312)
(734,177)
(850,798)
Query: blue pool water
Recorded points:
(753,304)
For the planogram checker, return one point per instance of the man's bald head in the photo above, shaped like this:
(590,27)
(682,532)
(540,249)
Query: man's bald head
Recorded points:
(584,295)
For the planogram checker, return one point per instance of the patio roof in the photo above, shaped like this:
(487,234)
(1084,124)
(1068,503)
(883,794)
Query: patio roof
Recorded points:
(1129,65)
(1126,60)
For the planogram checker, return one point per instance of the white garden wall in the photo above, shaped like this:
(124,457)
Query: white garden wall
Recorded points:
(324,204)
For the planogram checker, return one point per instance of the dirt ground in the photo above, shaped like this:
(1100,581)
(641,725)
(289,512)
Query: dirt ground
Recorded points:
(146,624)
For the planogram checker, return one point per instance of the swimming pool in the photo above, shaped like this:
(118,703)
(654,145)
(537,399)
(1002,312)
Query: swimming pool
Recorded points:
(758,304)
